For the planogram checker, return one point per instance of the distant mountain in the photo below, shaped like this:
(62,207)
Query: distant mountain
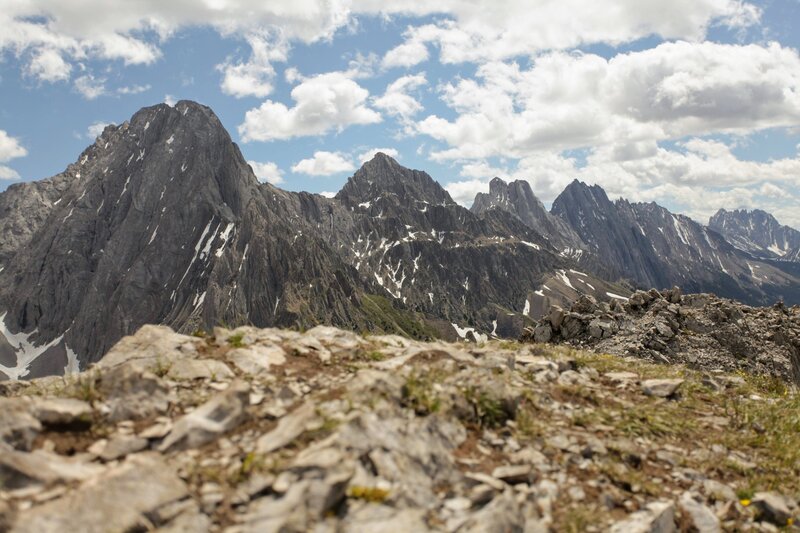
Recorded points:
(518,199)
(651,247)
(758,233)
(161,220)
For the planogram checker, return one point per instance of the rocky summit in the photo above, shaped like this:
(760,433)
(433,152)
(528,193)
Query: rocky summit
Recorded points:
(269,430)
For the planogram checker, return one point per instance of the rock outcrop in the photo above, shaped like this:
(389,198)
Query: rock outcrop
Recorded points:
(330,431)
(699,330)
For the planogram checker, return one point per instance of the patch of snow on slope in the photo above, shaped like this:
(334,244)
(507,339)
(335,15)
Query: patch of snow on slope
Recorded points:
(616,296)
(25,350)
(462,333)
(532,245)
(527,310)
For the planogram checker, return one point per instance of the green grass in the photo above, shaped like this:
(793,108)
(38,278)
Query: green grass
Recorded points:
(388,319)
(236,340)
(418,393)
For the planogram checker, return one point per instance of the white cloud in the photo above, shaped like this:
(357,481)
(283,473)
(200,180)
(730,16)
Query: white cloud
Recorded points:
(396,100)
(48,65)
(410,53)
(170,100)
(134,89)
(363,157)
(267,172)
(254,77)
(491,31)
(327,194)
(696,178)
(566,101)
(10,148)
(8,173)
(324,164)
(94,130)
(90,87)
(322,103)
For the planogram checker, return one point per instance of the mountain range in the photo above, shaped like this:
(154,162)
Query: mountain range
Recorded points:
(162,220)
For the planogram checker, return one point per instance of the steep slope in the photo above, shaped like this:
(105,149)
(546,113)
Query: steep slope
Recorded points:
(758,233)
(479,275)
(655,248)
(518,199)
(162,221)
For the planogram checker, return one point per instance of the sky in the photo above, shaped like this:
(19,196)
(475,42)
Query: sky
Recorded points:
(693,104)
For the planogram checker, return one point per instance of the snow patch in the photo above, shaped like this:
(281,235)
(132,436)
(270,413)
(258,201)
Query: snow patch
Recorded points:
(616,296)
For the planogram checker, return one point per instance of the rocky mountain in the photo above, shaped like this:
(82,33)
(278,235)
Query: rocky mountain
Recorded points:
(518,199)
(161,220)
(651,247)
(266,430)
(758,233)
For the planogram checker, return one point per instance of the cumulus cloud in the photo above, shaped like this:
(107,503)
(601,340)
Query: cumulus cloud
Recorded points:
(48,65)
(410,53)
(95,129)
(134,89)
(491,31)
(10,148)
(566,101)
(267,172)
(367,155)
(90,87)
(322,103)
(397,101)
(696,177)
(324,164)
(255,76)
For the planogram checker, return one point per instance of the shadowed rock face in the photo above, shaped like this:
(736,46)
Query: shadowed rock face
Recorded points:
(758,233)
(652,247)
(161,220)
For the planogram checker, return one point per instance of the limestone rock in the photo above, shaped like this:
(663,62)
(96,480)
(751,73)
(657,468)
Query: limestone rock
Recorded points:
(209,421)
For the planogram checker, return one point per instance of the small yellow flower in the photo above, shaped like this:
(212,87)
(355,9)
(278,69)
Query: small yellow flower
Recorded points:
(745,503)
(790,521)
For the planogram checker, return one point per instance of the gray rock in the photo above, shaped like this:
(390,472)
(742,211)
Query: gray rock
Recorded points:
(772,507)
(289,428)
(377,518)
(120,500)
(119,447)
(556,317)
(657,517)
(217,416)
(501,514)
(661,388)
(513,474)
(132,393)
(189,369)
(18,426)
(62,411)
(20,470)
(257,359)
(702,518)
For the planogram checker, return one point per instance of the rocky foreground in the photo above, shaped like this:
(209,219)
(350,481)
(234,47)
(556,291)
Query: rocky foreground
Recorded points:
(270,430)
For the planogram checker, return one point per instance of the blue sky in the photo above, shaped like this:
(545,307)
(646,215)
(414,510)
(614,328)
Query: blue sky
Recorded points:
(694,104)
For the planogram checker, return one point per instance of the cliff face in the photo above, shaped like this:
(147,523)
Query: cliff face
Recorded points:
(652,247)
(758,233)
(162,221)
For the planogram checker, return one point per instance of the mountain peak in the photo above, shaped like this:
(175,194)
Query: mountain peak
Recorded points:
(384,176)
